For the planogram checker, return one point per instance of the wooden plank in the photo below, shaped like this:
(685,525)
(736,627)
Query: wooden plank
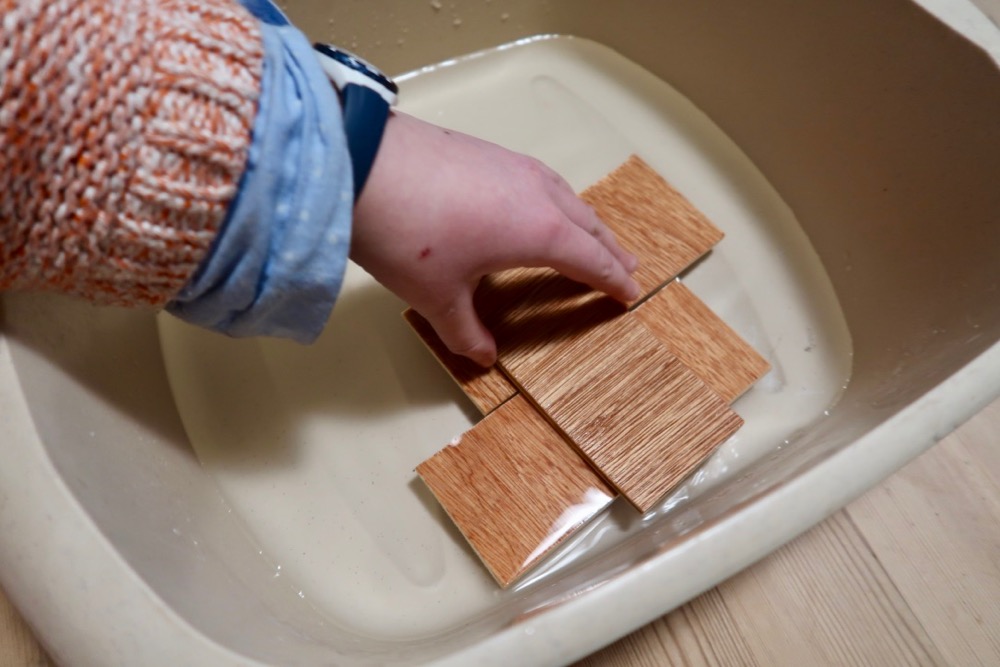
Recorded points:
(630,407)
(533,311)
(514,488)
(486,388)
(652,220)
(936,526)
(702,341)
(703,632)
(829,584)
(634,411)
(823,599)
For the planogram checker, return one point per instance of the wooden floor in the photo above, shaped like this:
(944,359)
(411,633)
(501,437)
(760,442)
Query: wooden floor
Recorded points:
(907,574)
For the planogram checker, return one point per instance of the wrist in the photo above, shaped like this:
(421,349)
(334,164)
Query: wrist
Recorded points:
(366,95)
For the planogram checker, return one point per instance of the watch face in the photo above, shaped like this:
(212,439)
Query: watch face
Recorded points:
(358,64)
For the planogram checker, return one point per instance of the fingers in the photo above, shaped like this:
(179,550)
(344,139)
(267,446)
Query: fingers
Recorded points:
(580,256)
(583,216)
(461,330)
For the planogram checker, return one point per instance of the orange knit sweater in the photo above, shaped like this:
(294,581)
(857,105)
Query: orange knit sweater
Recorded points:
(124,129)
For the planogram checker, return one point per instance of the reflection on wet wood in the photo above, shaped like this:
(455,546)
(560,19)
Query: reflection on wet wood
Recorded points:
(514,488)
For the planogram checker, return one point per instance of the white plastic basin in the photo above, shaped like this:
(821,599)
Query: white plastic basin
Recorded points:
(170,497)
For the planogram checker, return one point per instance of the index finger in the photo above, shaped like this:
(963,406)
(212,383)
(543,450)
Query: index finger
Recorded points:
(583,257)
(585,217)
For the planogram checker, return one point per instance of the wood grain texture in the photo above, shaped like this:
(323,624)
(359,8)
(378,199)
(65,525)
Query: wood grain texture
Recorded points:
(641,417)
(702,341)
(18,646)
(652,220)
(514,488)
(630,407)
(822,599)
(487,388)
(936,527)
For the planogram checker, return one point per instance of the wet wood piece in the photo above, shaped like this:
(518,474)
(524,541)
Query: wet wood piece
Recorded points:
(630,407)
(652,220)
(486,388)
(634,410)
(514,488)
(702,341)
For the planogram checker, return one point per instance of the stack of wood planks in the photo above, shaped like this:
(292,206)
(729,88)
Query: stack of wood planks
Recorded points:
(590,398)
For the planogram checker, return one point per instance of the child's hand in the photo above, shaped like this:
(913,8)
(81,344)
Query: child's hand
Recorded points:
(442,209)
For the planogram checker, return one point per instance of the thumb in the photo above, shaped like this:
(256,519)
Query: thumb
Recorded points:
(461,330)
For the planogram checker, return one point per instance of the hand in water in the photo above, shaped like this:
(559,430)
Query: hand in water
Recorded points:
(442,209)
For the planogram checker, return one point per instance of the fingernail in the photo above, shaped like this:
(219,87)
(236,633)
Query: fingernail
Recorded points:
(485,360)
(633,263)
(633,290)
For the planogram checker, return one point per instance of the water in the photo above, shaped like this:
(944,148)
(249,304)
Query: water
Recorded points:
(314,447)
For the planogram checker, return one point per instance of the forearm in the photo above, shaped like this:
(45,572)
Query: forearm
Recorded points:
(126,127)
(186,155)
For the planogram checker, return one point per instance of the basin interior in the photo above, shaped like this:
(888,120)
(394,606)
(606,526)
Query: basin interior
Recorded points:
(265,491)
(315,447)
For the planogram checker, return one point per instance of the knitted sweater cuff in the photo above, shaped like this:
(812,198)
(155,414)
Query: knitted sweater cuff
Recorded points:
(125,129)
(278,263)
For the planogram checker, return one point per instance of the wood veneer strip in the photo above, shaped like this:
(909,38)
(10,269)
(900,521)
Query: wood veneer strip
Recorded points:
(514,488)
(702,341)
(487,388)
(652,220)
(634,410)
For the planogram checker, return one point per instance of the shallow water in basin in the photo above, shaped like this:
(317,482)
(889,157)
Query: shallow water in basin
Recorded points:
(314,447)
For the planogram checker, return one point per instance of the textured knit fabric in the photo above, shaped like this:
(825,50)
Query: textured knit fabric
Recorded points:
(124,129)
(277,266)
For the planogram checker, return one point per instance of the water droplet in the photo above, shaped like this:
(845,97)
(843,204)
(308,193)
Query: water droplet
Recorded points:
(457,22)
(436,5)
(504,16)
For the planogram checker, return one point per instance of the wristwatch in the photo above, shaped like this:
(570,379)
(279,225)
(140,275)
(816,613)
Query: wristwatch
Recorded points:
(366,95)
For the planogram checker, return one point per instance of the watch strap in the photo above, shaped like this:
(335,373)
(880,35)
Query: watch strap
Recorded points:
(365,116)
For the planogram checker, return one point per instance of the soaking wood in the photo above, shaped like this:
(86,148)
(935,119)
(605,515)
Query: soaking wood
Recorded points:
(487,388)
(702,341)
(514,488)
